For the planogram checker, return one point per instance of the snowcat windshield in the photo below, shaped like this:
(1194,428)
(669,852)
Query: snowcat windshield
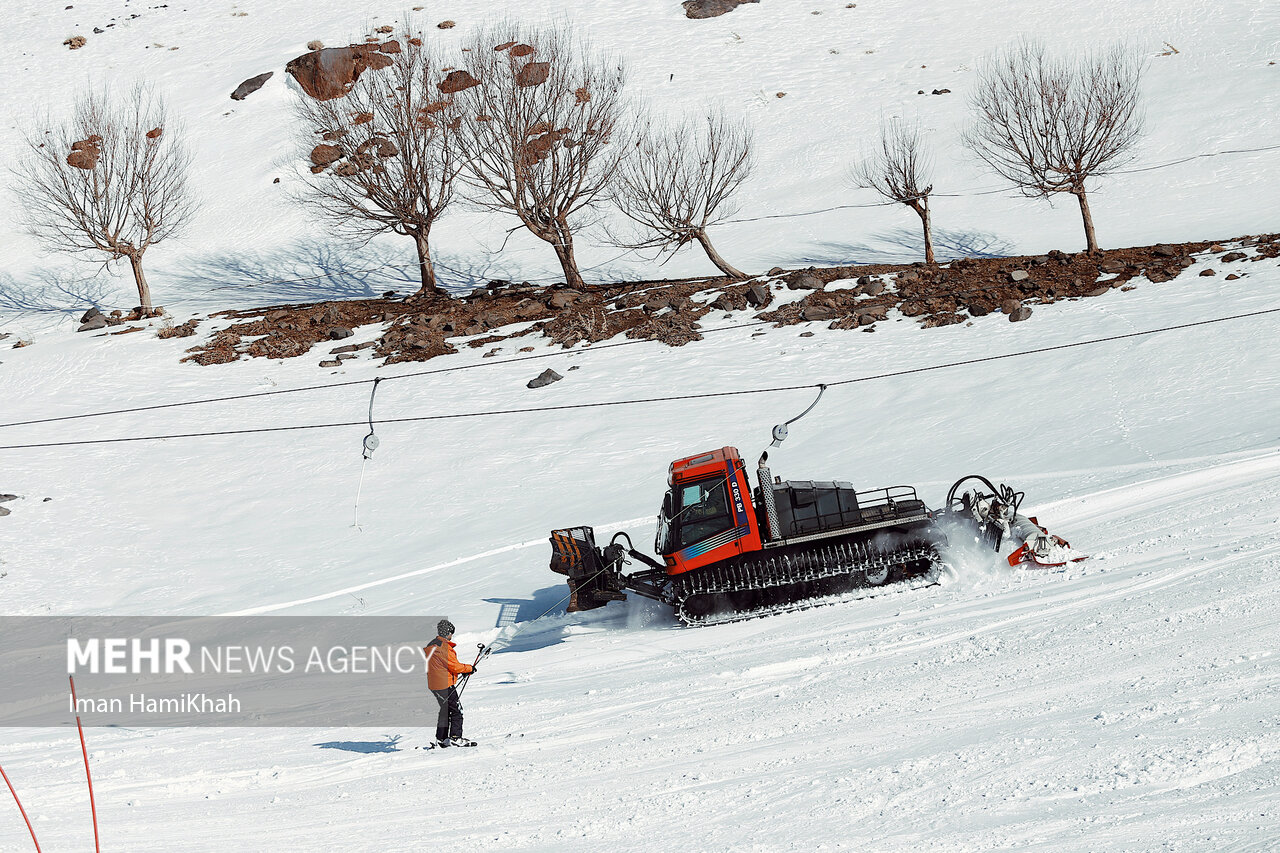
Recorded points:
(701,511)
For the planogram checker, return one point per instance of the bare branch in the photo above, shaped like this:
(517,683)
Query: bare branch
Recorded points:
(382,155)
(1047,125)
(110,179)
(678,181)
(538,132)
(900,170)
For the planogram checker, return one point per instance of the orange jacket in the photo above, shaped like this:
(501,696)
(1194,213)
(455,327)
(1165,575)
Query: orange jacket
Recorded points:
(443,667)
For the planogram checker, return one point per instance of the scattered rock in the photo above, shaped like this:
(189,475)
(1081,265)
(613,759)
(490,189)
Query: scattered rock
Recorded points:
(1022,313)
(775,271)
(1233,256)
(533,74)
(1207,272)
(98,322)
(350,348)
(90,314)
(1019,275)
(817,312)
(456,82)
(522,50)
(941,92)
(758,295)
(805,281)
(1232,277)
(1113,265)
(76,42)
(871,288)
(1215,248)
(3,511)
(340,333)
(697,9)
(331,362)
(1159,275)
(543,379)
(6,498)
(562,299)
(446,25)
(1163,251)
(325,155)
(248,87)
(1098,291)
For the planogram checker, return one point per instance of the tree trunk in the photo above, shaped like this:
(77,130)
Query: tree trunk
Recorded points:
(715,258)
(563,244)
(1091,239)
(425,269)
(922,210)
(140,279)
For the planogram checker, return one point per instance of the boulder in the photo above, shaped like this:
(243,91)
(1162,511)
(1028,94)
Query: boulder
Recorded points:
(93,323)
(758,295)
(1113,265)
(1163,251)
(6,498)
(1019,275)
(1207,272)
(330,72)
(562,299)
(325,155)
(1022,313)
(1008,306)
(1233,256)
(543,379)
(805,281)
(248,87)
(340,333)
(697,9)
(3,511)
(1098,291)
(817,312)
(331,362)
(90,314)
(533,73)
(456,81)
(871,288)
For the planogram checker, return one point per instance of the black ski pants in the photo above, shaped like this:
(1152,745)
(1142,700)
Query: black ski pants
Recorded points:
(449,723)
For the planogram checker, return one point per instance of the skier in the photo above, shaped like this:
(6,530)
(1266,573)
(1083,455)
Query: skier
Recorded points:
(443,670)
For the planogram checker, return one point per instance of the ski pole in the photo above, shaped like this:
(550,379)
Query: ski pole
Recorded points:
(483,653)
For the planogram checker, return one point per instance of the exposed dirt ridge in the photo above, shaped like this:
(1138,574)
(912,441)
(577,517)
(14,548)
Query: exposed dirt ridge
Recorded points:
(843,297)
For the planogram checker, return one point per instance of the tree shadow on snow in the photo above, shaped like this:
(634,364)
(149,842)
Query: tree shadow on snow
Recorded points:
(326,271)
(58,293)
(363,746)
(904,246)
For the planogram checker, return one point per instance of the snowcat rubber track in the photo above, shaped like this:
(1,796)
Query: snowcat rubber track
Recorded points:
(896,588)
(759,585)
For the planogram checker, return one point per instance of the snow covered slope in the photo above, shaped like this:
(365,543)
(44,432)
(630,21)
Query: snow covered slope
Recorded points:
(1127,703)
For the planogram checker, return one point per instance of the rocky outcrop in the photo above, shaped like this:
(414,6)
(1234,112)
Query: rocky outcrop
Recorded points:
(330,72)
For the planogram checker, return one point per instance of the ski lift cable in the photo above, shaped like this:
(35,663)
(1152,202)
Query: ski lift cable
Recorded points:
(666,399)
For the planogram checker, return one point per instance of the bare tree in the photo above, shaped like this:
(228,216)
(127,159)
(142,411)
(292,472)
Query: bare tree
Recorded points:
(383,154)
(1047,125)
(538,130)
(901,171)
(112,178)
(678,181)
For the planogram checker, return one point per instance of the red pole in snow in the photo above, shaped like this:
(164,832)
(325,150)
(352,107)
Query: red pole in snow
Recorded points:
(85,751)
(21,809)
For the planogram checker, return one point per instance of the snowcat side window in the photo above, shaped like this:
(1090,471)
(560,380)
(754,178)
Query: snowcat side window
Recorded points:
(703,511)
